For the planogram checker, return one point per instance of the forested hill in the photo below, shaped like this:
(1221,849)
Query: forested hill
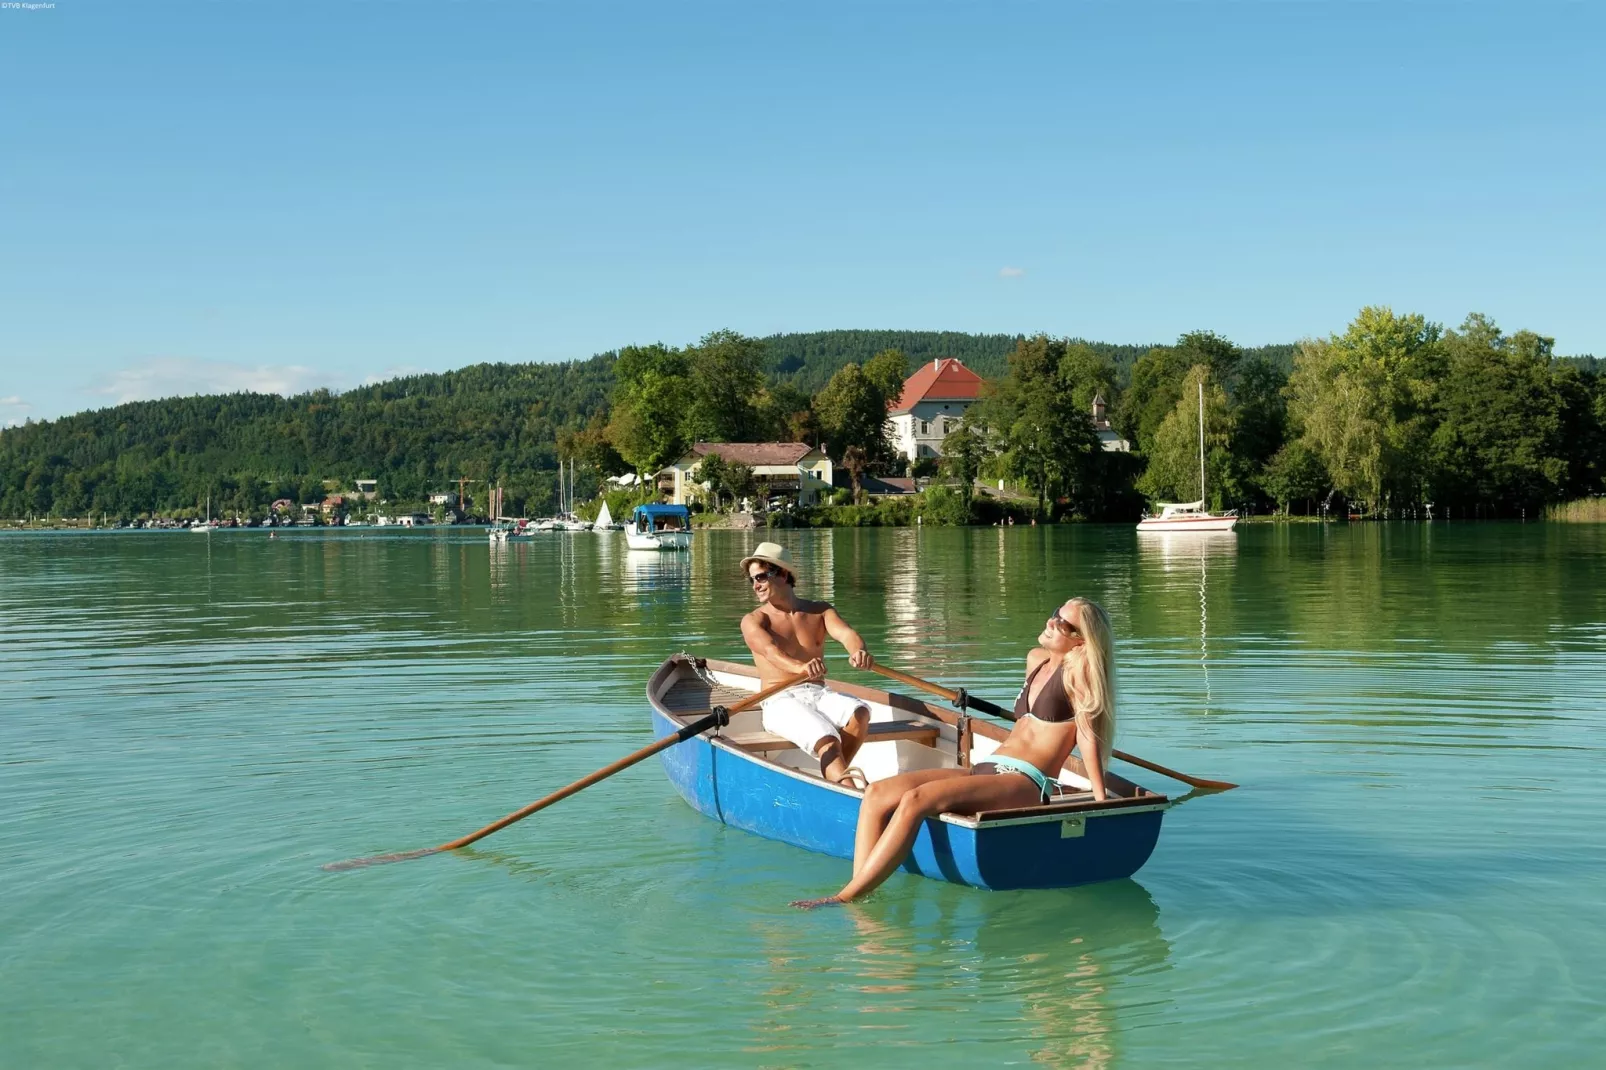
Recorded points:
(807,361)
(416,434)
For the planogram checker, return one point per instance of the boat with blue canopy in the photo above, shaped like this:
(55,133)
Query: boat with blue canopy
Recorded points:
(759,782)
(659,527)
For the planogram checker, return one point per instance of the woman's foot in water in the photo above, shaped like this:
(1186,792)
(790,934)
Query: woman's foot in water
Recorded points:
(812,904)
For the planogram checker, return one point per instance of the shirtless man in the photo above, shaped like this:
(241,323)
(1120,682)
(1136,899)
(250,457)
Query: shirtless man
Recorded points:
(787,636)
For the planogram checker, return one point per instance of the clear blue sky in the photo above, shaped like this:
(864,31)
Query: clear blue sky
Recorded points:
(213,195)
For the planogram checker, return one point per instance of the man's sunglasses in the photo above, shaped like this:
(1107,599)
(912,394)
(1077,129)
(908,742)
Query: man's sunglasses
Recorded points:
(764,574)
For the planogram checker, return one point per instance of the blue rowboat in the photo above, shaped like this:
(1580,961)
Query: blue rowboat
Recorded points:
(758,782)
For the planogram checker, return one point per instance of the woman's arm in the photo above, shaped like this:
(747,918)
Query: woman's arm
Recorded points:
(1092,760)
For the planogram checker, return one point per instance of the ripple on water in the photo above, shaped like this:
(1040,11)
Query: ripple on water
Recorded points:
(1412,863)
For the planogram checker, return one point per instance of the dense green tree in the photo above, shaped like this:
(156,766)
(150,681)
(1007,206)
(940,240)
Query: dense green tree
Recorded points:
(783,412)
(1499,440)
(1152,394)
(1173,455)
(1365,400)
(1045,439)
(591,447)
(725,381)
(852,410)
(712,473)
(740,480)
(887,371)
(646,425)
(1583,428)
(1087,374)
(963,451)
(1295,474)
(1157,381)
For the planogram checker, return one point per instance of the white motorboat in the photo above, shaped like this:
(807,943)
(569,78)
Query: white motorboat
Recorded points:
(1190,516)
(659,527)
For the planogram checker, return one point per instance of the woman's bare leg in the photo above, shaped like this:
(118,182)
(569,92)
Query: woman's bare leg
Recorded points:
(881,799)
(964,794)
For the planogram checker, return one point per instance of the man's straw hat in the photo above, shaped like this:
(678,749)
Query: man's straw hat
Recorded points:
(771,553)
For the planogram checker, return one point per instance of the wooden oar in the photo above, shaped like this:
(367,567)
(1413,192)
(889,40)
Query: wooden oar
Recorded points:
(719,716)
(974,703)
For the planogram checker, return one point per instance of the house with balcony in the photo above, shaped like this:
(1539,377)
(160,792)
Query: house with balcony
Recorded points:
(933,401)
(780,467)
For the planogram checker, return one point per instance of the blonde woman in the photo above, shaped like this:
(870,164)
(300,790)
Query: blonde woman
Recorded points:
(1067,703)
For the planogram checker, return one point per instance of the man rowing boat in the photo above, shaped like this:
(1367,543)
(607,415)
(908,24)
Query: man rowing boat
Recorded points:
(787,636)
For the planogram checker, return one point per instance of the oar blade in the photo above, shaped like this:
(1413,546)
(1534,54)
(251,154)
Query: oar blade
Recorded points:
(380,860)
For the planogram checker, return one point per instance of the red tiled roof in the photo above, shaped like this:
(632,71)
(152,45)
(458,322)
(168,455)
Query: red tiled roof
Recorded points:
(944,379)
(754,454)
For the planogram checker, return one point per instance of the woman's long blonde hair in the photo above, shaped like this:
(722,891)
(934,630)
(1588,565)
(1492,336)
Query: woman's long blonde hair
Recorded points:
(1089,678)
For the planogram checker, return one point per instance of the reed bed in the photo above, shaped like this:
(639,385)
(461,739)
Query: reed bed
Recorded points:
(1580,511)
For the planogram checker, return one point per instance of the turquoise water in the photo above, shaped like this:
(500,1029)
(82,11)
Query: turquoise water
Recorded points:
(1412,873)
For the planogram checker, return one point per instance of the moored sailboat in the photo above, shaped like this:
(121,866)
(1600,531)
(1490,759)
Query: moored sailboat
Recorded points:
(1190,516)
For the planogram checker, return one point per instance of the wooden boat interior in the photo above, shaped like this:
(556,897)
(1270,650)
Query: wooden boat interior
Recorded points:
(905,734)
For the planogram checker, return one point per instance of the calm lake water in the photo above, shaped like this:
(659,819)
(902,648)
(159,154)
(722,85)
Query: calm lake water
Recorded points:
(1413,874)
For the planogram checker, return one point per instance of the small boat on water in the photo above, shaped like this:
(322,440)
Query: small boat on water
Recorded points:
(1187,516)
(753,780)
(659,527)
(1190,516)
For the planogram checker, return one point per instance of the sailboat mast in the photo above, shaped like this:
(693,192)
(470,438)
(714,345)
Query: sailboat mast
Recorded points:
(1201,445)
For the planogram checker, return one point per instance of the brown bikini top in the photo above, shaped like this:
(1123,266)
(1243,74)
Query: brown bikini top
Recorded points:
(1053,705)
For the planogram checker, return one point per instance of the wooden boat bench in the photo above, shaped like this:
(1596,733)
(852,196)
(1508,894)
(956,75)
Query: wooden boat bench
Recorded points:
(880,731)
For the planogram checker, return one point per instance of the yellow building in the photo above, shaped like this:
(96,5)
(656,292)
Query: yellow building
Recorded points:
(783,467)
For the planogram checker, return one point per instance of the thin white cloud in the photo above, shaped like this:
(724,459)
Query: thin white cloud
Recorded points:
(14,402)
(13,411)
(168,377)
(400,371)
(1011,272)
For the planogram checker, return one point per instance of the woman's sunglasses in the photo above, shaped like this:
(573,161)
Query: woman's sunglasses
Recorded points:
(1065,625)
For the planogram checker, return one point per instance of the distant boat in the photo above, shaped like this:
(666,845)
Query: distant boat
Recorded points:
(208,527)
(1190,516)
(659,527)
(604,521)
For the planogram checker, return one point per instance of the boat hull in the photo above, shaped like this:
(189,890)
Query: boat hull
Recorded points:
(1198,523)
(1053,851)
(661,540)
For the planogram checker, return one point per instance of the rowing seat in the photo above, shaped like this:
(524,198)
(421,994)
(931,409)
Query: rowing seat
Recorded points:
(880,731)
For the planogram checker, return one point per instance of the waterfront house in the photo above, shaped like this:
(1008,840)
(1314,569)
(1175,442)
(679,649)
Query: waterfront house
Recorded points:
(933,401)
(783,467)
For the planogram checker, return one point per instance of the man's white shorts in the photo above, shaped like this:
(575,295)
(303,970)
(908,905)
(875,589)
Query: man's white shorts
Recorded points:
(808,713)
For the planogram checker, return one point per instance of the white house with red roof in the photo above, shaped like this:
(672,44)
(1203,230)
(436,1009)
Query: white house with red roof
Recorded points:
(933,401)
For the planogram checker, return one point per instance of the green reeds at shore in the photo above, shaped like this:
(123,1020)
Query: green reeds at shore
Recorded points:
(1581,511)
